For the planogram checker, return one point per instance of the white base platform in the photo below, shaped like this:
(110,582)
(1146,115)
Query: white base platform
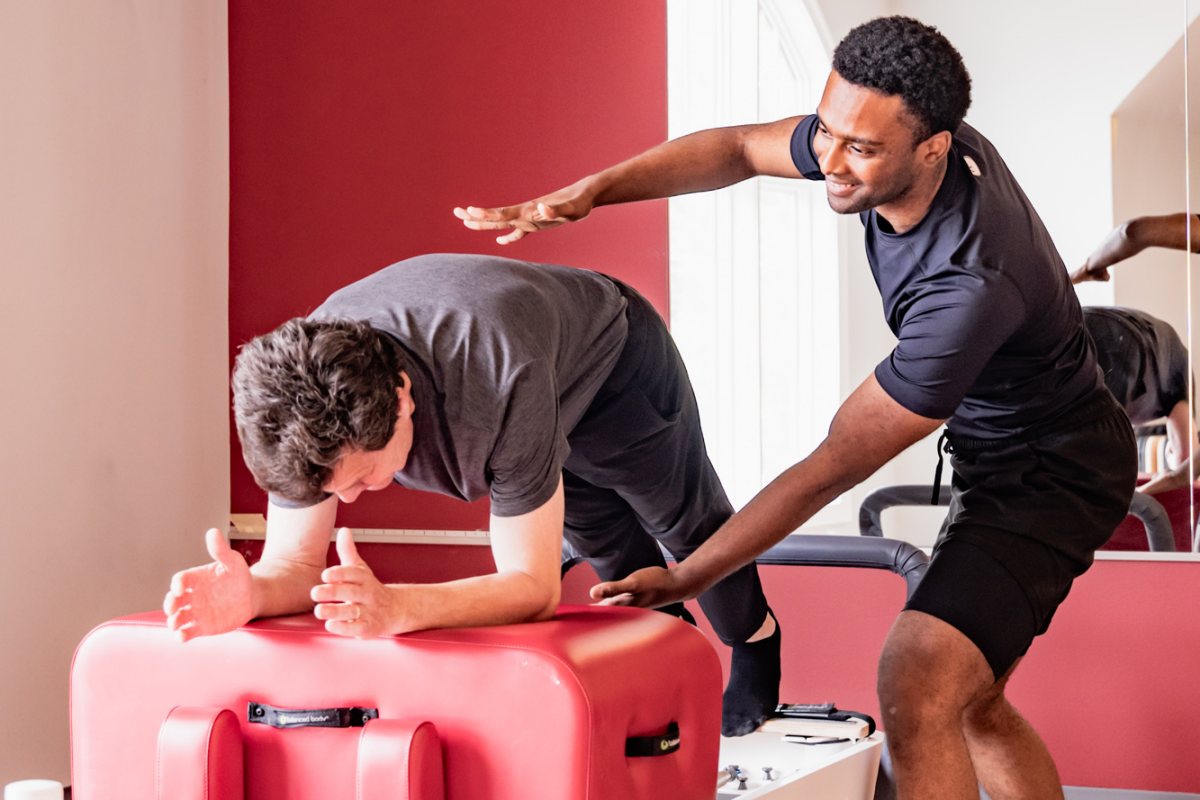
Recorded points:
(842,771)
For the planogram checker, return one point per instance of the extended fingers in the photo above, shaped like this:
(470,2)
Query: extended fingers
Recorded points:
(355,573)
(625,599)
(347,619)
(611,590)
(487,219)
(182,623)
(341,592)
(344,611)
(174,600)
(514,236)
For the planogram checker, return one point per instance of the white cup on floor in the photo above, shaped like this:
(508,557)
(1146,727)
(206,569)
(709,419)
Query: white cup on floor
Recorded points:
(34,790)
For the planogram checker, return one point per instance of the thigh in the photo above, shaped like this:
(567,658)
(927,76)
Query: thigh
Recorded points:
(973,592)
(926,659)
(1024,522)
(600,526)
(642,439)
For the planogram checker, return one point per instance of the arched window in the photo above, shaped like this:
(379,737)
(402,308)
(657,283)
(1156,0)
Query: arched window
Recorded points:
(754,268)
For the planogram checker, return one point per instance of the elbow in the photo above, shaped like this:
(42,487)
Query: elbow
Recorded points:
(544,599)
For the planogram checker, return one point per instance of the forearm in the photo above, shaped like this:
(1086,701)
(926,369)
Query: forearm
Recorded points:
(1170,231)
(868,431)
(498,599)
(698,162)
(775,512)
(1176,478)
(282,586)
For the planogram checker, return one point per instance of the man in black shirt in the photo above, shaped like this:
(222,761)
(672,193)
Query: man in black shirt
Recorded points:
(990,337)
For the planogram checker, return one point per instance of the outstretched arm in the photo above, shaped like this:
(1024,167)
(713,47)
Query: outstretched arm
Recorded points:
(868,431)
(525,587)
(1135,235)
(698,162)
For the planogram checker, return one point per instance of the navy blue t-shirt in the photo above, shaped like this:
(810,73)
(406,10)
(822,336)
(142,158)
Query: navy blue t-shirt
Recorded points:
(990,331)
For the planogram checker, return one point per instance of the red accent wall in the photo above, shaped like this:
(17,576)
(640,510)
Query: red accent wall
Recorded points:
(355,131)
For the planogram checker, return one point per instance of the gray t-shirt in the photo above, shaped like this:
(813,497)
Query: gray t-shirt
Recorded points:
(1144,362)
(505,356)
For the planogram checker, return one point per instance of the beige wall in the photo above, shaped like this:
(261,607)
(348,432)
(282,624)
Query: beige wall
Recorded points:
(113,244)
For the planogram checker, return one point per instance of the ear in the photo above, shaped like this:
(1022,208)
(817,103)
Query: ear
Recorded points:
(935,148)
(404,394)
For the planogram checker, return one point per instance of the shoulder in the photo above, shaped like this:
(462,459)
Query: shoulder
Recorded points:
(802,151)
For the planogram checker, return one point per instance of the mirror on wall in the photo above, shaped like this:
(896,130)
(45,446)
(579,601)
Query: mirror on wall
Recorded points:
(1087,105)
(1092,120)
(1191,41)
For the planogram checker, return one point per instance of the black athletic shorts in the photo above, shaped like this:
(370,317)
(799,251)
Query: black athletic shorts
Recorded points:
(1024,521)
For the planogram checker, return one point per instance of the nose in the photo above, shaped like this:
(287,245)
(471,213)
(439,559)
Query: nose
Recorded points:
(831,160)
(350,495)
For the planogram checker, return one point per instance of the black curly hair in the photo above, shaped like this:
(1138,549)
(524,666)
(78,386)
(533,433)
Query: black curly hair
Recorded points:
(306,393)
(903,56)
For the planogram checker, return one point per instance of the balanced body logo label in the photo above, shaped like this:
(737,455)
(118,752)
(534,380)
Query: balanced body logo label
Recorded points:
(307,718)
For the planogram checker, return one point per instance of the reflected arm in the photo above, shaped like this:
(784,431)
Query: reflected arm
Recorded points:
(1172,231)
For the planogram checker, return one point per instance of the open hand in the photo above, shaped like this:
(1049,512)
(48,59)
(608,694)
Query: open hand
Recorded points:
(211,599)
(647,588)
(1087,273)
(351,599)
(1117,246)
(566,205)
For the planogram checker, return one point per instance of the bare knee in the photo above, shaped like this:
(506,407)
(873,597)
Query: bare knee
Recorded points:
(929,674)
(909,701)
(990,713)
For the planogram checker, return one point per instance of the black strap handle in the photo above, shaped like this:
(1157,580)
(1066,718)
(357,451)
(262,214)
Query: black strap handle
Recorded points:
(824,711)
(345,717)
(647,746)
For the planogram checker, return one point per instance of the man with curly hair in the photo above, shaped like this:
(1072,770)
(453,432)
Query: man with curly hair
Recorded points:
(476,376)
(990,339)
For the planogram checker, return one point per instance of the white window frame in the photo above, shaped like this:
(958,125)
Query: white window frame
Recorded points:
(754,269)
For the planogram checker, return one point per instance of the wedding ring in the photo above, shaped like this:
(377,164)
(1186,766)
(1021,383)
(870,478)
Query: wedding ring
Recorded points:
(357,612)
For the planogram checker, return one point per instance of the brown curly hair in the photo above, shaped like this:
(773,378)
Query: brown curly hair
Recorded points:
(306,393)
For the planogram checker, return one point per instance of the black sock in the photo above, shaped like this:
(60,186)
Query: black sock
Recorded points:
(753,690)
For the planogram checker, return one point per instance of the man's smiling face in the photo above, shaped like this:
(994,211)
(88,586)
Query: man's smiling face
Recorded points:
(866,146)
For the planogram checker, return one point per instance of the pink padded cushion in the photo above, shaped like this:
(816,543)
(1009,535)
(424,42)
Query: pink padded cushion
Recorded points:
(399,760)
(536,710)
(199,755)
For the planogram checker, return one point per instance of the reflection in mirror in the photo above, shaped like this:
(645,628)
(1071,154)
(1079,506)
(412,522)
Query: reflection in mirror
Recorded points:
(1078,117)
(1192,161)
(1151,246)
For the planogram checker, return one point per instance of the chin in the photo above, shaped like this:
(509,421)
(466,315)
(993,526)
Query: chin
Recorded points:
(848,205)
